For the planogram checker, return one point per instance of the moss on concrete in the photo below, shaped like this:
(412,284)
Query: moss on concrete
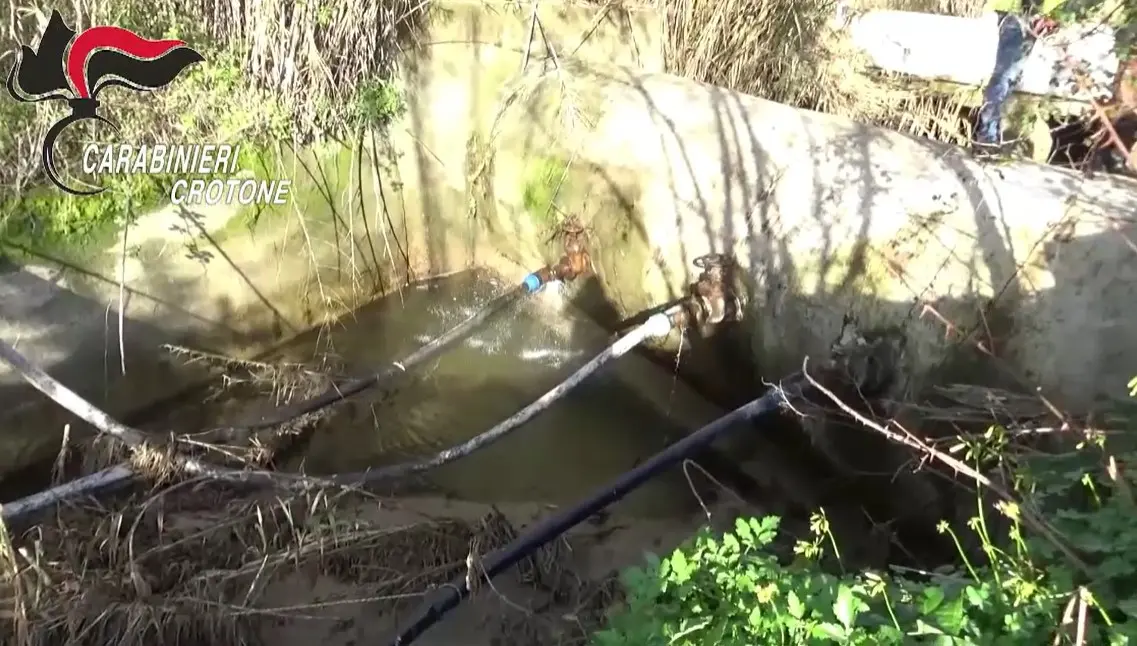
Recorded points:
(544,180)
(73,227)
(331,162)
(80,228)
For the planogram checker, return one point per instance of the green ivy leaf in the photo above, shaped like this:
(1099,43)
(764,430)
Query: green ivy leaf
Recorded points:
(933,597)
(680,567)
(976,596)
(755,617)
(730,545)
(950,616)
(743,531)
(794,605)
(828,630)
(845,607)
(765,530)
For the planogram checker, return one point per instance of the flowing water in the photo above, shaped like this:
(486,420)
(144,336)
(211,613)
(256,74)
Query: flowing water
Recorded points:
(599,430)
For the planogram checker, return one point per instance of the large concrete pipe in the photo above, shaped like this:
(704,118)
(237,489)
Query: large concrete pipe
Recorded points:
(825,216)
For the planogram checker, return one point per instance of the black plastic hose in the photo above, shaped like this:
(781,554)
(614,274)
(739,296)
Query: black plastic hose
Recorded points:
(448,597)
(122,475)
(340,392)
(659,325)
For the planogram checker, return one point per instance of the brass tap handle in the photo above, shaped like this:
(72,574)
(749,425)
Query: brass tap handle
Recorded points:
(572,226)
(712,293)
(711,260)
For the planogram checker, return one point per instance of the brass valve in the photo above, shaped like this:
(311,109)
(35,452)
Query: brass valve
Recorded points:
(712,299)
(575,262)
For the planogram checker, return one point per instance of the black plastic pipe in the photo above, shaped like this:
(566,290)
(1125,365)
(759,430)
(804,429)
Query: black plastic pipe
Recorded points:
(122,475)
(339,392)
(656,327)
(448,597)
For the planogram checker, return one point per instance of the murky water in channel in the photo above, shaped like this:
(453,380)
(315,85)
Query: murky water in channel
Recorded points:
(595,433)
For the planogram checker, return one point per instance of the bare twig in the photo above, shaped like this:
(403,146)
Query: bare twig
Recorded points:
(529,40)
(64,451)
(1067,619)
(950,328)
(1083,615)
(691,464)
(1117,475)
(903,436)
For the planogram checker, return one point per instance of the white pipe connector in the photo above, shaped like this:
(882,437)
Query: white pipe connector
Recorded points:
(658,326)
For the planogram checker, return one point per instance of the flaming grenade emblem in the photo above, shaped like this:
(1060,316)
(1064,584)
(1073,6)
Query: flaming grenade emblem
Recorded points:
(98,58)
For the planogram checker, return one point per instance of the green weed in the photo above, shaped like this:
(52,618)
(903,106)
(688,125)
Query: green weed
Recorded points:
(731,590)
(543,183)
(376,103)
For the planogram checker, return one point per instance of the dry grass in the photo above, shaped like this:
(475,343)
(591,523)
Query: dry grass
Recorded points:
(240,381)
(302,65)
(788,51)
(193,564)
(278,385)
(317,56)
(283,382)
(203,562)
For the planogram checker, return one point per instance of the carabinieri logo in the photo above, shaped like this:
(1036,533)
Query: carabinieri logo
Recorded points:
(98,58)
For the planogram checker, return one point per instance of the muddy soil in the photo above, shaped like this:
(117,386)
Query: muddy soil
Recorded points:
(512,611)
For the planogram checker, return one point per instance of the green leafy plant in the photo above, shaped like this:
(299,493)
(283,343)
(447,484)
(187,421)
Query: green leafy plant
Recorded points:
(732,590)
(45,218)
(376,103)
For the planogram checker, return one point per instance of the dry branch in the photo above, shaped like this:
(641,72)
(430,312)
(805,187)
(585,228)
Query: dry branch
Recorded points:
(907,438)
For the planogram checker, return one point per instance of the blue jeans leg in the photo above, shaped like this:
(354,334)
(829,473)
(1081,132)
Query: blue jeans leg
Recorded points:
(1009,59)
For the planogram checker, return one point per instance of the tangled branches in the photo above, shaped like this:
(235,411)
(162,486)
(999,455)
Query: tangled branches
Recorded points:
(206,563)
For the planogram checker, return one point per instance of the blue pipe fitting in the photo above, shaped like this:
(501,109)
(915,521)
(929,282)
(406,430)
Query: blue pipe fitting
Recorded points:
(532,283)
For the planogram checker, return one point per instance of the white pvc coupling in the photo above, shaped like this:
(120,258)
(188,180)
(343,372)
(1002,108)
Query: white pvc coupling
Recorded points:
(658,326)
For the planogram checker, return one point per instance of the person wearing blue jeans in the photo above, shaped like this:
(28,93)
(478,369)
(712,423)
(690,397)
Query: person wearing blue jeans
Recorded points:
(1015,40)
(1009,58)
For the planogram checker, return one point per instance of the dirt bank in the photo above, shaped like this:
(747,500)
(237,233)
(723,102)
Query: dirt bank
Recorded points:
(202,564)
